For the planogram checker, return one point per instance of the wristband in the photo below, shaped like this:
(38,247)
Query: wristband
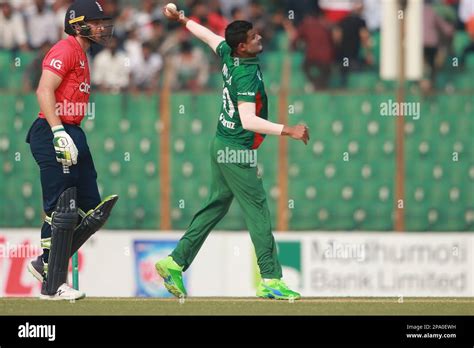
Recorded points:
(57,128)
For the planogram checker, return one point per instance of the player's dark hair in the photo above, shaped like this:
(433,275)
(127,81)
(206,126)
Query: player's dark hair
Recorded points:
(185,47)
(236,33)
(147,45)
(234,11)
(255,3)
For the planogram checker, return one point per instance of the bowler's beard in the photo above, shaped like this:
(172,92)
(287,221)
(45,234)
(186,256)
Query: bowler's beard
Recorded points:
(258,51)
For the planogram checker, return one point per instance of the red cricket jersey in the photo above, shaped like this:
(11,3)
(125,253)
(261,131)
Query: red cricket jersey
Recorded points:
(68,60)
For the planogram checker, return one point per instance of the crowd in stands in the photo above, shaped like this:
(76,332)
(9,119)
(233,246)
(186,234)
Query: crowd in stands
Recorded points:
(335,36)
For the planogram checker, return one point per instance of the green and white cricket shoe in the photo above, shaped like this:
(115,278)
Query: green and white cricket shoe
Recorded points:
(276,289)
(172,274)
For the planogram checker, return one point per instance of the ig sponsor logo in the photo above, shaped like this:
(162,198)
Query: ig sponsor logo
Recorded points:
(56,63)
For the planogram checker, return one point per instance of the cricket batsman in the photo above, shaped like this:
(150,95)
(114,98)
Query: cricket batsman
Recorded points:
(71,201)
(242,125)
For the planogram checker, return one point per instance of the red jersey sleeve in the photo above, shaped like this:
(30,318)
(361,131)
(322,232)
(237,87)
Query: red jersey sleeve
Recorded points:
(60,59)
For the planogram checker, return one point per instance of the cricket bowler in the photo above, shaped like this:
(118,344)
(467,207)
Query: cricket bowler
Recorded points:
(242,125)
(71,200)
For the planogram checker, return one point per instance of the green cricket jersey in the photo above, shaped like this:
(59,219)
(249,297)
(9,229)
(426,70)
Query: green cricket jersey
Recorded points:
(243,81)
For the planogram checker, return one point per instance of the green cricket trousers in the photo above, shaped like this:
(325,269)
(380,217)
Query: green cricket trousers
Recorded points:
(231,180)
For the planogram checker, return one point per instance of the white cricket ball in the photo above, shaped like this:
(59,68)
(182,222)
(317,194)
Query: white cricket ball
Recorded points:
(171,6)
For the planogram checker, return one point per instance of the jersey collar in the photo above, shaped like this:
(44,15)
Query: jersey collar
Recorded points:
(248,61)
(72,39)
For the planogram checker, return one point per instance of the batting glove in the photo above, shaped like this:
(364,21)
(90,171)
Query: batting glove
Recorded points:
(66,150)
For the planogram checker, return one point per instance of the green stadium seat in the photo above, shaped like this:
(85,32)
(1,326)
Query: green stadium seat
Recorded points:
(328,192)
(460,41)
(272,65)
(464,82)
(6,63)
(375,218)
(281,41)
(215,81)
(363,80)
(470,62)
(375,36)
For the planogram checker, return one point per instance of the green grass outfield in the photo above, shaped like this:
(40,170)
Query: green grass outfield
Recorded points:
(239,306)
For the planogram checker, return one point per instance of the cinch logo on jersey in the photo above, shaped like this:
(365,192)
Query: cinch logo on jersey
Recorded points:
(243,156)
(56,63)
(37,331)
(85,88)
(67,108)
(251,94)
